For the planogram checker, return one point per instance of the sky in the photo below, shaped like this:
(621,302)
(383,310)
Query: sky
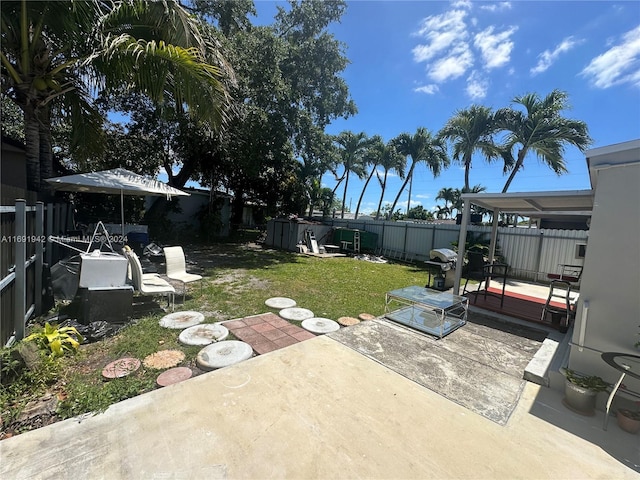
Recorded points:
(415,63)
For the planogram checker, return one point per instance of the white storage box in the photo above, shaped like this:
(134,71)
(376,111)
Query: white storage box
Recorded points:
(102,270)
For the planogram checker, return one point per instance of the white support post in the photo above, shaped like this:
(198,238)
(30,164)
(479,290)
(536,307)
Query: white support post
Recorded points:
(462,240)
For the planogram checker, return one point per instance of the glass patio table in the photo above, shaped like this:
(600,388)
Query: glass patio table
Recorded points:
(430,311)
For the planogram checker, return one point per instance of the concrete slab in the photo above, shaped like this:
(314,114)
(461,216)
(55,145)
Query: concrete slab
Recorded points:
(318,409)
(477,367)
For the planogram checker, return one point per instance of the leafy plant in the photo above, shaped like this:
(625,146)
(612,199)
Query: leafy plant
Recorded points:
(57,341)
(593,382)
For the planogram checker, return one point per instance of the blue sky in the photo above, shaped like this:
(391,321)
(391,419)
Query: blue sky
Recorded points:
(414,63)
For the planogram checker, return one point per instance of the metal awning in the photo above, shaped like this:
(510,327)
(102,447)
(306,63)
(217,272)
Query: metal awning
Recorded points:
(532,204)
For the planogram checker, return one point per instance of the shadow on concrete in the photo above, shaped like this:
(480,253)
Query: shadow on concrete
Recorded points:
(623,446)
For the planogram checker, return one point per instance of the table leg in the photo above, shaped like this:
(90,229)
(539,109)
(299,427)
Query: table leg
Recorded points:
(610,400)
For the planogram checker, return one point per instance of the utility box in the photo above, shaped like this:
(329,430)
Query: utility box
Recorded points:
(102,270)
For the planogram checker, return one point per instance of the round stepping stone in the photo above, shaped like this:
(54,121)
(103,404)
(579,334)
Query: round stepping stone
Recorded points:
(348,321)
(173,375)
(203,334)
(121,367)
(223,354)
(180,320)
(163,359)
(280,302)
(320,325)
(296,313)
(366,316)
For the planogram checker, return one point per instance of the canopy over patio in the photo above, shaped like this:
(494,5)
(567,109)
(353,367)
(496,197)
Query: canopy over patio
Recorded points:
(531,204)
(117,181)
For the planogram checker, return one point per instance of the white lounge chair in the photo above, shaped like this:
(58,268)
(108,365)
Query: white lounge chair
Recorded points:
(176,268)
(150,284)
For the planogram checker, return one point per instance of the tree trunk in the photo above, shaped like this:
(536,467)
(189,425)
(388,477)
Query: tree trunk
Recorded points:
(237,207)
(384,187)
(406,180)
(516,167)
(344,195)
(362,194)
(46,154)
(32,149)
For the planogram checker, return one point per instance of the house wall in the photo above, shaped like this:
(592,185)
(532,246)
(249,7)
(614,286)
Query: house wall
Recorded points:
(608,314)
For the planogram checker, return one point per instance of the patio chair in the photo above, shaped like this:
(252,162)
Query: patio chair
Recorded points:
(492,271)
(560,290)
(176,268)
(474,270)
(150,284)
(568,273)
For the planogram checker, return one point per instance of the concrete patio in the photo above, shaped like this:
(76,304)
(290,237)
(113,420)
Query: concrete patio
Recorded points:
(319,409)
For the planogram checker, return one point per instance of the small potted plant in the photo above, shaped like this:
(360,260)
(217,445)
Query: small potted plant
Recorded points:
(628,420)
(581,391)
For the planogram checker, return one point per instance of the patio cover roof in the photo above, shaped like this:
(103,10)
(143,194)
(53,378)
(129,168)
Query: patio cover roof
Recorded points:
(534,203)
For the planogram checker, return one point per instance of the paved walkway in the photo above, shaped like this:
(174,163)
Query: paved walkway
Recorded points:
(267,332)
(319,409)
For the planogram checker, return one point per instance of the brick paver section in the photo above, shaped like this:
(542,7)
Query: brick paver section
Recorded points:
(267,332)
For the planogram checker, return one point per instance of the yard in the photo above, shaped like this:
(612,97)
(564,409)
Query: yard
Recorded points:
(239,277)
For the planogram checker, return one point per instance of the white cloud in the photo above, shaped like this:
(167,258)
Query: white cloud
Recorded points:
(496,7)
(455,64)
(461,4)
(495,47)
(618,65)
(428,89)
(441,32)
(548,57)
(477,86)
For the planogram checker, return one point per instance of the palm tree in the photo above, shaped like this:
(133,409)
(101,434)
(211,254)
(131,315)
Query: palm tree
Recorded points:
(391,160)
(448,195)
(371,158)
(470,130)
(353,148)
(540,129)
(56,54)
(421,147)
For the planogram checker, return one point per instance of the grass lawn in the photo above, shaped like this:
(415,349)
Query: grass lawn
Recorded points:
(239,277)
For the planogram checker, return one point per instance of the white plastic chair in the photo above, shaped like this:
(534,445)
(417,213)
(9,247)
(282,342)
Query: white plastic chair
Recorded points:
(176,268)
(150,284)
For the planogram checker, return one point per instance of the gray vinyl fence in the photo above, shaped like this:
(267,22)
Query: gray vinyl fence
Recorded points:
(531,253)
(23,253)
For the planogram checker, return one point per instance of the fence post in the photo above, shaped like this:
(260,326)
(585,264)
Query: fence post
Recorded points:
(39,231)
(50,246)
(20,301)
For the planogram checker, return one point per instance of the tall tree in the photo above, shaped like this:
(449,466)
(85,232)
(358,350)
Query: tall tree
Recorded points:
(391,160)
(56,53)
(448,195)
(352,149)
(541,129)
(371,159)
(422,147)
(470,130)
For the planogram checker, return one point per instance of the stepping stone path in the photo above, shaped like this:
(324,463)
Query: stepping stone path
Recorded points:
(203,334)
(320,325)
(180,320)
(348,321)
(366,316)
(121,367)
(173,375)
(163,359)
(280,302)
(223,354)
(296,313)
